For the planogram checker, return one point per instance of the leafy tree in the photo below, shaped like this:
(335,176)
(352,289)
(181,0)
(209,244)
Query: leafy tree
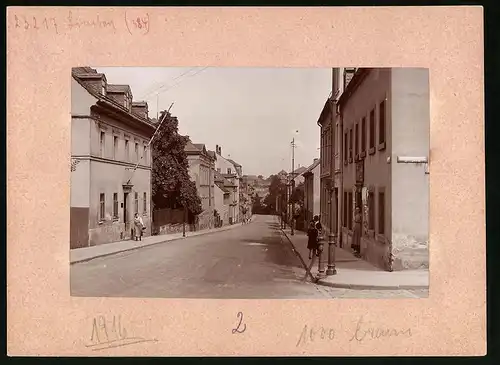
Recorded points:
(297,196)
(277,189)
(171,184)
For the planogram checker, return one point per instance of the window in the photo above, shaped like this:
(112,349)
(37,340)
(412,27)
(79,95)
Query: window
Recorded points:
(372,128)
(346,146)
(371,211)
(145,204)
(229,170)
(363,134)
(126,102)
(102,142)
(381,123)
(136,206)
(103,88)
(381,212)
(328,148)
(115,205)
(345,209)
(137,152)
(115,147)
(349,205)
(145,154)
(356,140)
(102,211)
(126,150)
(350,145)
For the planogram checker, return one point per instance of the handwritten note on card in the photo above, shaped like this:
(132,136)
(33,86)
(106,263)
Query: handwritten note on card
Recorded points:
(134,21)
(362,332)
(110,333)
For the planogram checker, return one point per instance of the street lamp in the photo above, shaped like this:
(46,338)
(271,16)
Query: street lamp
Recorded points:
(332,235)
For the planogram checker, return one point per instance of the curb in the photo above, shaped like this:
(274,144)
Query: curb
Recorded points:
(148,245)
(356,286)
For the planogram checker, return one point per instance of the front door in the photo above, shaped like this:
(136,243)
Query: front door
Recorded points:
(125,215)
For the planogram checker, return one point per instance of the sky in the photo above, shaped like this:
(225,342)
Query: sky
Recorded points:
(252,113)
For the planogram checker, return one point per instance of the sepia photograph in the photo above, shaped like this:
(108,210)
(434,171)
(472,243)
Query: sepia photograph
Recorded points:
(249,183)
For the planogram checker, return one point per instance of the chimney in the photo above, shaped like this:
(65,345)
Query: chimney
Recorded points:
(217,149)
(220,150)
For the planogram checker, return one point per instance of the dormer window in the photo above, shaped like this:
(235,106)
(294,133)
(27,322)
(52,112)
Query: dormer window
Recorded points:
(103,88)
(126,103)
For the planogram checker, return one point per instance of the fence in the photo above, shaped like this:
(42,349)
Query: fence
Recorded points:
(168,216)
(166,221)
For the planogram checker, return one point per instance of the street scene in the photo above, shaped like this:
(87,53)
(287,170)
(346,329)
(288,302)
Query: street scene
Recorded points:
(249,183)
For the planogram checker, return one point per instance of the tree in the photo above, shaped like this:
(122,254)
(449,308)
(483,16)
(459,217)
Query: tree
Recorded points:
(297,196)
(171,184)
(277,189)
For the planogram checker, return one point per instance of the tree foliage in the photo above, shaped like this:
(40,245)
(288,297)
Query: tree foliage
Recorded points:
(171,184)
(277,189)
(297,196)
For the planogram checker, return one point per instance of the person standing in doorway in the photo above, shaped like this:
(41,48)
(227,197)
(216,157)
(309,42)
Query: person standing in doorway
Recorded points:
(138,226)
(356,235)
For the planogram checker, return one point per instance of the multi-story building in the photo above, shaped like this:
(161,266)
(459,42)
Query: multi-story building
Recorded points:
(380,121)
(111,161)
(201,170)
(230,172)
(312,196)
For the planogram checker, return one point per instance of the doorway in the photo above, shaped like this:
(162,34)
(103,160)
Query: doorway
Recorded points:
(125,215)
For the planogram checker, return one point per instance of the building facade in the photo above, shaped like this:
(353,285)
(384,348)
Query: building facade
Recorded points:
(201,170)
(229,172)
(381,120)
(223,194)
(111,161)
(312,196)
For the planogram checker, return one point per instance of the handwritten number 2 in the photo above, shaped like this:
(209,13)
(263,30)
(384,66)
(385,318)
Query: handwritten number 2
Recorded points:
(238,328)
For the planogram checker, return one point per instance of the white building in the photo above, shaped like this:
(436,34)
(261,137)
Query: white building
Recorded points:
(231,172)
(109,137)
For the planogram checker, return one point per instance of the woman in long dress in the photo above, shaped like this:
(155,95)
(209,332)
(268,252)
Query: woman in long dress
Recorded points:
(312,239)
(356,236)
(138,224)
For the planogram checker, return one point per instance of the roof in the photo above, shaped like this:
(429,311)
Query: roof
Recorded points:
(299,171)
(198,149)
(212,154)
(233,162)
(221,186)
(79,74)
(190,147)
(219,178)
(353,84)
(113,88)
(312,167)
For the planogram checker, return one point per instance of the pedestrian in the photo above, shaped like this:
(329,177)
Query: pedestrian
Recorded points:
(138,227)
(312,241)
(356,235)
(319,228)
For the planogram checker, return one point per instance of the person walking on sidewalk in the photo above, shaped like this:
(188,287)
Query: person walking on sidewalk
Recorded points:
(312,241)
(356,236)
(138,227)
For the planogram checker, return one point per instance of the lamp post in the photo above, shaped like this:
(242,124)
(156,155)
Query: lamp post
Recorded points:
(332,235)
(332,201)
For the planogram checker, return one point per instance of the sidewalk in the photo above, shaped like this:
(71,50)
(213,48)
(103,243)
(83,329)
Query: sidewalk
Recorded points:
(89,253)
(355,273)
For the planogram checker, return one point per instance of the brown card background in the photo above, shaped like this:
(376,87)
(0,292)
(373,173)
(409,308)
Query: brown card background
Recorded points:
(44,320)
